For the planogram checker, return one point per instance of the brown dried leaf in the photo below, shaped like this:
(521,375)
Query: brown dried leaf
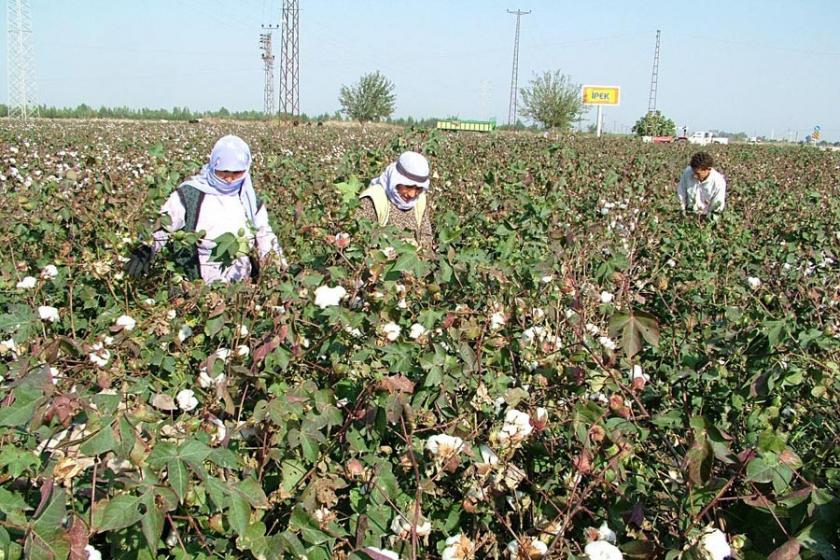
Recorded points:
(396,384)
(163,401)
(788,551)
(78,536)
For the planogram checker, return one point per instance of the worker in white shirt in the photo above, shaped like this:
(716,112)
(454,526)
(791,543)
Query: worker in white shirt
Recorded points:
(220,199)
(702,188)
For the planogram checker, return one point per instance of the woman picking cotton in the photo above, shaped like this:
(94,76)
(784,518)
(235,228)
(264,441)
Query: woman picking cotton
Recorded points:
(398,198)
(219,200)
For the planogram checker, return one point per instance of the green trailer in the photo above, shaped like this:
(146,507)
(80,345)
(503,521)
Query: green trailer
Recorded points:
(470,126)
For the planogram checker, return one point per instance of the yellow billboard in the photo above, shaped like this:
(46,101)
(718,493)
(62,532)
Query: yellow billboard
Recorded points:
(601,95)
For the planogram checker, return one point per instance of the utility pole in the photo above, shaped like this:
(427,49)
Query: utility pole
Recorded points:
(268,64)
(20,61)
(290,59)
(514,78)
(654,77)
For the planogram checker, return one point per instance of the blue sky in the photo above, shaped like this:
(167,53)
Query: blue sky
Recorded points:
(757,66)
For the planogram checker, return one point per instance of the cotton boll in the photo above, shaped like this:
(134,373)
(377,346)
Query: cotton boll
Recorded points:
(714,545)
(27,283)
(186,400)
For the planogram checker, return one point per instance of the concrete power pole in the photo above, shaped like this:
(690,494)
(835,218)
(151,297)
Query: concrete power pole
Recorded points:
(20,61)
(290,59)
(514,78)
(268,64)
(654,77)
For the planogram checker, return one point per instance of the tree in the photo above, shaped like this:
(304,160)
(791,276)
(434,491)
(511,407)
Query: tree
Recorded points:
(371,99)
(655,124)
(552,100)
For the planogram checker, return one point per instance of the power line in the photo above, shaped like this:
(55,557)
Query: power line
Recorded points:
(268,67)
(514,78)
(20,61)
(654,77)
(290,59)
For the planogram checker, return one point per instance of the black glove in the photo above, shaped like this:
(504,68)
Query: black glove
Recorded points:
(255,267)
(140,262)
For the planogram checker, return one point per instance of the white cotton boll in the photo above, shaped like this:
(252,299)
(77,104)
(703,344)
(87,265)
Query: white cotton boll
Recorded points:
(186,400)
(149,301)
(353,331)
(536,549)
(547,279)
(444,446)
(637,373)
(390,253)
(516,428)
(100,355)
(458,547)
(48,313)
(27,283)
(7,346)
(328,297)
(243,350)
(592,329)
(537,314)
(754,282)
(602,550)
(127,323)
(402,304)
(607,342)
(497,320)
(206,382)
(392,331)
(171,314)
(488,456)
(417,330)
(606,534)
(243,331)
(223,354)
(184,332)
(714,545)
(569,313)
(606,297)
(221,431)
(92,553)
(49,272)
(401,527)
(531,334)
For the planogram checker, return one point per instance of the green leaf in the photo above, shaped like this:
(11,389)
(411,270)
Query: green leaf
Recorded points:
(699,460)
(239,512)
(309,529)
(819,540)
(348,189)
(18,461)
(178,476)
(46,539)
(633,327)
(20,413)
(120,512)
(152,522)
(759,471)
(101,442)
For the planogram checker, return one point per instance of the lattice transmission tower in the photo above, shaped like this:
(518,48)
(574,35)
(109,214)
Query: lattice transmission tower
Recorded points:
(654,77)
(20,61)
(290,59)
(514,78)
(268,65)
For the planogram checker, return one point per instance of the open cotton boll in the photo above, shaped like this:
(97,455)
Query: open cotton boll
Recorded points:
(417,330)
(186,400)
(49,272)
(126,322)
(329,297)
(27,283)
(606,297)
(714,545)
(392,331)
(602,550)
(48,313)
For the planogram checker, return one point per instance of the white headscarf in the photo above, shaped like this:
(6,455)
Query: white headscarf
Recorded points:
(230,153)
(410,169)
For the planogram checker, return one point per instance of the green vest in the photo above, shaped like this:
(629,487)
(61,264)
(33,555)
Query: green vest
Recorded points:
(382,205)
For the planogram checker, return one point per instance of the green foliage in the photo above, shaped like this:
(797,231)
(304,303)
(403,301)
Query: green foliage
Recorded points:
(654,124)
(609,351)
(552,100)
(371,99)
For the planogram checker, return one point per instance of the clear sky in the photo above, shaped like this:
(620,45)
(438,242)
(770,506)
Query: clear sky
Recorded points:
(758,66)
